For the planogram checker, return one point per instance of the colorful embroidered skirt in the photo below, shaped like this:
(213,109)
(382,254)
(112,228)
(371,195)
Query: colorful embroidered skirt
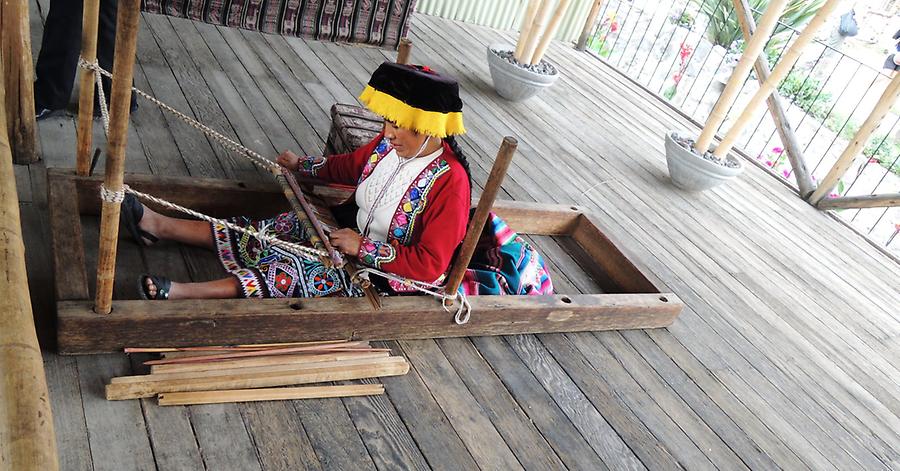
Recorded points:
(267,271)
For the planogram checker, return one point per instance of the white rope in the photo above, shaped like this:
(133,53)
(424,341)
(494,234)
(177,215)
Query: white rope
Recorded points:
(463,311)
(297,249)
(101,97)
(225,141)
(109,196)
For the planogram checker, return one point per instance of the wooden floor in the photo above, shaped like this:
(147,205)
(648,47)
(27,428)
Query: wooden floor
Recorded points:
(787,355)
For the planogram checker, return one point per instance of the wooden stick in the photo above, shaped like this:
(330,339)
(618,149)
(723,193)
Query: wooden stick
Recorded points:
(473,231)
(280,351)
(845,161)
(778,73)
(265,361)
(805,183)
(15,42)
(269,394)
(526,29)
(293,188)
(262,346)
(537,27)
(550,32)
(27,440)
(123,72)
(90,21)
(866,201)
(392,366)
(404,50)
(752,50)
(588,26)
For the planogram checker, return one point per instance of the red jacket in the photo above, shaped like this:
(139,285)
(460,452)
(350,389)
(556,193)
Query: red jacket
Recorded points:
(428,224)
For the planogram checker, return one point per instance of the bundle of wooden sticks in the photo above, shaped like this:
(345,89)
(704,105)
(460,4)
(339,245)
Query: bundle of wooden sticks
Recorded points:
(241,373)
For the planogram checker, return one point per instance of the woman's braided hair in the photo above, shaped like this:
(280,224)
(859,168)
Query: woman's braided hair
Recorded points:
(457,151)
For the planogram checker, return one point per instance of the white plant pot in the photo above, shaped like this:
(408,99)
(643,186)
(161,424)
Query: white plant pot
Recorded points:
(691,172)
(513,82)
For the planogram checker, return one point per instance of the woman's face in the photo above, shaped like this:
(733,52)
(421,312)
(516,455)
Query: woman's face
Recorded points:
(404,141)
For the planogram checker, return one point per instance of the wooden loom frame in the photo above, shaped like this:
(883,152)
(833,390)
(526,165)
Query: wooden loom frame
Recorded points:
(640,303)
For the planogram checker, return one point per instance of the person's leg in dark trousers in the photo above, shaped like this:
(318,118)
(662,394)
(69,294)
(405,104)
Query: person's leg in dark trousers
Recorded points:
(58,58)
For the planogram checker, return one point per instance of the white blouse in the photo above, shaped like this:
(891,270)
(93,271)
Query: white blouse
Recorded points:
(379,195)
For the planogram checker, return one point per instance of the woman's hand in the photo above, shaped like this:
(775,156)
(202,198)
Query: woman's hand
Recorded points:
(346,241)
(289,159)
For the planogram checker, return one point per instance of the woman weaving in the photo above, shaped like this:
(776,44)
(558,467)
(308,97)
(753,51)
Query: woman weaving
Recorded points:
(413,192)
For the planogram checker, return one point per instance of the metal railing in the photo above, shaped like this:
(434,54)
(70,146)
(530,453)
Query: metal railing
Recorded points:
(666,48)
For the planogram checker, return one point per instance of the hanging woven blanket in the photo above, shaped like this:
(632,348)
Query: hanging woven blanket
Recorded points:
(375,22)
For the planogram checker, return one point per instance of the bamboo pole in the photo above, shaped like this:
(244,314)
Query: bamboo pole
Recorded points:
(751,51)
(845,161)
(15,41)
(778,73)
(550,32)
(588,26)
(537,27)
(123,72)
(805,183)
(404,50)
(89,25)
(488,195)
(268,394)
(27,441)
(865,201)
(525,31)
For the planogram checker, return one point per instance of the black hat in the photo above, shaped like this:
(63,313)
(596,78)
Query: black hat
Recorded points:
(415,97)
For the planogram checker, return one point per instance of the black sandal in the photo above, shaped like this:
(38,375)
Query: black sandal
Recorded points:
(163,286)
(132,213)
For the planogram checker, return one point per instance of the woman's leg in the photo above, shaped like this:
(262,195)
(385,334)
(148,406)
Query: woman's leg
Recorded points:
(186,231)
(217,289)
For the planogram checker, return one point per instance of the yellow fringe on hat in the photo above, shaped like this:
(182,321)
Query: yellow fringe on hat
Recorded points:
(405,116)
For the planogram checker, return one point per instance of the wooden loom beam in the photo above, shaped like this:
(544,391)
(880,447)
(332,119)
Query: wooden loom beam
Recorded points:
(120,103)
(89,25)
(15,44)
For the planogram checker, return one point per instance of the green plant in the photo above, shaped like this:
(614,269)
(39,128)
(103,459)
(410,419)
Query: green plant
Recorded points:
(883,152)
(805,93)
(686,20)
(836,123)
(724,27)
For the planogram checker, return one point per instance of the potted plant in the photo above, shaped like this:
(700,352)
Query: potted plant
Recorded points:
(520,72)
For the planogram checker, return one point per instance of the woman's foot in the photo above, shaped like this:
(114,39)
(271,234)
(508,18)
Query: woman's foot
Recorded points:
(152,287)
(140,222)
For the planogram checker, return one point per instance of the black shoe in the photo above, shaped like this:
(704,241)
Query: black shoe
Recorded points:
(42,113)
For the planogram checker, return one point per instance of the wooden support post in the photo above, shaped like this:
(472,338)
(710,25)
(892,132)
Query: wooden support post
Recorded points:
(778,73)
(404,50)
(89,24)
(859,141)
(27,441)
(551,30)
(805,183)
(15,44)
(866,201)
(526,29)
(473,232)
(752,50)
(537,27)
(123,71)
(588,26)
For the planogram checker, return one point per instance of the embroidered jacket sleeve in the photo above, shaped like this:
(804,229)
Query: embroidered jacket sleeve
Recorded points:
(437,232)
(339,168)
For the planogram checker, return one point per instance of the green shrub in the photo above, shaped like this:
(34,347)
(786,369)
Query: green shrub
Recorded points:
(884,152)
(804,92)
(725,28)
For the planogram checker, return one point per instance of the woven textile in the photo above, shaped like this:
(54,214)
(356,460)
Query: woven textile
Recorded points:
(376,22)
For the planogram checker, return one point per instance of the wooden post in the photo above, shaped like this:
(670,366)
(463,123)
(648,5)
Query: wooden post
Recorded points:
(404,50)
(27,441)
(588,26)
(551,30)
(778,73)
(15,44)
(123,72)
(473,232)
(865,201)
(90,19)
(805,183)
(752,50)
(526,29)
(537,26)
(859,141)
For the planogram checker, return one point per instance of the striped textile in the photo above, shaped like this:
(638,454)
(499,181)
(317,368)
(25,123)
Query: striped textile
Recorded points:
(375,22)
